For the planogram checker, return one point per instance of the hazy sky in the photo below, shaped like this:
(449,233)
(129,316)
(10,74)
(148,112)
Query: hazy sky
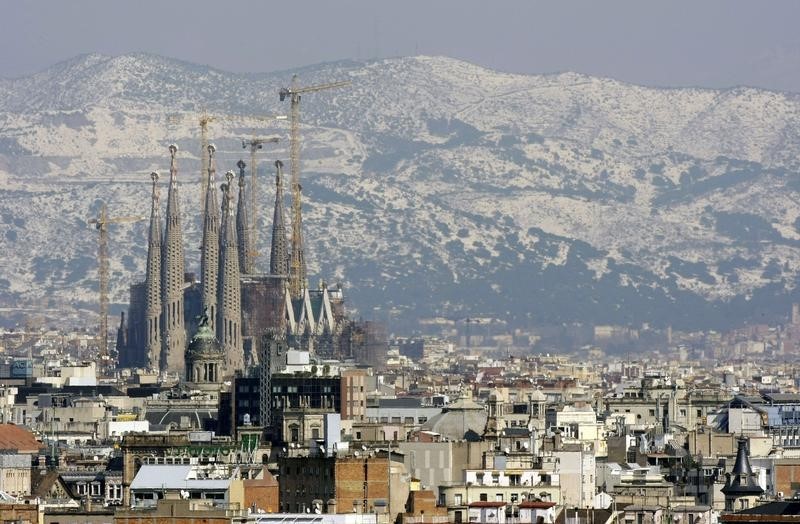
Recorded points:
(672,42)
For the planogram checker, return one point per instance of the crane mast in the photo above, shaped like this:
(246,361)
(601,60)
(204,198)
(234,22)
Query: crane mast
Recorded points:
(101,224)
(297,263)
(102,270)
(255,144)
(204,120)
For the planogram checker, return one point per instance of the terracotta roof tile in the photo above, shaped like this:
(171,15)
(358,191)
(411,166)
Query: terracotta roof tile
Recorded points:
(19,439)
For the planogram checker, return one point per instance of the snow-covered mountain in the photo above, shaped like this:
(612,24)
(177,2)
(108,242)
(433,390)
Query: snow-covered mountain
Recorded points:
(432,186)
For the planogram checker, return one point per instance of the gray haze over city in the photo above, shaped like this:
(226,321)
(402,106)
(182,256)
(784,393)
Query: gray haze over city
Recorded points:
(679,43)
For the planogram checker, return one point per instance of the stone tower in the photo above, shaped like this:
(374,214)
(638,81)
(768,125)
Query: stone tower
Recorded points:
(242,227)
(279,252)
(152,283)
(172,277)
(209,256)
(229,298)
(494,420)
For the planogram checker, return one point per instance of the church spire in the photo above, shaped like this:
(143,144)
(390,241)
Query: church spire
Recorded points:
(242,227)
(741,489)
(209,256)
(279,254)
(229,299)
(172,277)
(152,283)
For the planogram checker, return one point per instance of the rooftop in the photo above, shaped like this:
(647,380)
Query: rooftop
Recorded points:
(166,476)
(19,439)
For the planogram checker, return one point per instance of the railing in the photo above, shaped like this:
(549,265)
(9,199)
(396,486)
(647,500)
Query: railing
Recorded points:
(430,519)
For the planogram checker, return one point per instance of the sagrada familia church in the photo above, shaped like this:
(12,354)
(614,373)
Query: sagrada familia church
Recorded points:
(231,300)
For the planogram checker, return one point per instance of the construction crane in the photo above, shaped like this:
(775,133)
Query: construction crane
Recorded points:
(204,120)
(255,143)
(297,266)
(101,224)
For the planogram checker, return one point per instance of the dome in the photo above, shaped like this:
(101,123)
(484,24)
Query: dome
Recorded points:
(538,396)
(496,396)
(462,420)
(204,342)
(204,356)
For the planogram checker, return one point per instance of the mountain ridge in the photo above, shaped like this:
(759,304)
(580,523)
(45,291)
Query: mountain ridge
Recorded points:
(429,180)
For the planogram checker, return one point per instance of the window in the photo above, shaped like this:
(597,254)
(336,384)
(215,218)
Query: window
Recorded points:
(683,412)
(457,499)
(484,497)
(358,435)
(514,497)
(652,412)
(498,497)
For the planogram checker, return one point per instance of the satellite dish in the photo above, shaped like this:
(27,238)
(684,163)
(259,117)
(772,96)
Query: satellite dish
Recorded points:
(506,450)
(284,450)
(356,454)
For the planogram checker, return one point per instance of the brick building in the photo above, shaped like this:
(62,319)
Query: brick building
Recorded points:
(262,494)
(354,484)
